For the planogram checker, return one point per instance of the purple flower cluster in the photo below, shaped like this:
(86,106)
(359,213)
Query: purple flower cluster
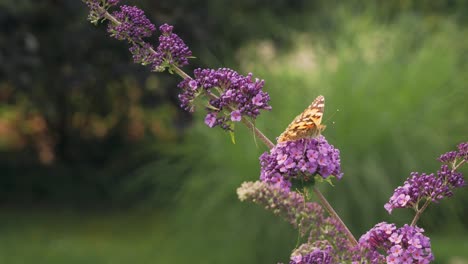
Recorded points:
(430,187)
(232,96)
(300,159)
(133,26)
(332,232)
(171,51)
(401,245)
(316,256)
(453,156)
(289,205)
(97,9)
(142,53)
(324,233)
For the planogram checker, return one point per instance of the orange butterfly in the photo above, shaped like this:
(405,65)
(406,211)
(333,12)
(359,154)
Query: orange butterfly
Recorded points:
(307,124)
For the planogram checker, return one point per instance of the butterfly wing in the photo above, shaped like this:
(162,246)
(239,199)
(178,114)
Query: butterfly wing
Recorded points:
(307,124)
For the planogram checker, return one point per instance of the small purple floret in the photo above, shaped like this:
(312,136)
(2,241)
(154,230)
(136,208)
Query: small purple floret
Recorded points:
(210,120)
(236,116)
(193,84)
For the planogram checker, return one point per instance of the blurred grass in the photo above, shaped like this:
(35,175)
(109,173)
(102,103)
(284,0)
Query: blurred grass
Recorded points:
(401,94)
(66,237)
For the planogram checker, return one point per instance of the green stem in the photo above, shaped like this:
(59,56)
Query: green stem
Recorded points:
(428,201)
(458,165)
(258,133)
(110,17)
(180,72)
(419,212)
(333,213)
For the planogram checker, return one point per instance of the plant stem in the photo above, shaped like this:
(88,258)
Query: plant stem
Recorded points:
(458,165)
(180,72)
(258,133)
(110,17)
(333,213)
(428,201)
(419,212)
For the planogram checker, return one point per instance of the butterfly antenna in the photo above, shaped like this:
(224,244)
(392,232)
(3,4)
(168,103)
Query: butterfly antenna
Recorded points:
(330,117)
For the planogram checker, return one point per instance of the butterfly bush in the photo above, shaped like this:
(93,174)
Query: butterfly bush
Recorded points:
(422,187)
(323,233)
(133,26)
(171,51)
(319,253)
(385,243)
(290,206)
(98,9)
(231,97)
(300,159)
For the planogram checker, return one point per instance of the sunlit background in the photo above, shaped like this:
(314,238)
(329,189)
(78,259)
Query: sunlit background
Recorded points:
(98,164)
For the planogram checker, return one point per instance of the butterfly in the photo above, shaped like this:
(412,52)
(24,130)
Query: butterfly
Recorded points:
(307,124)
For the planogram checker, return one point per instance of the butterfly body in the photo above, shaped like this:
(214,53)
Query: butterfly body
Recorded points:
(307,124)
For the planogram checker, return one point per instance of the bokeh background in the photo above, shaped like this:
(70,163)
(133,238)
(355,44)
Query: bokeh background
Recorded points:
(98,164)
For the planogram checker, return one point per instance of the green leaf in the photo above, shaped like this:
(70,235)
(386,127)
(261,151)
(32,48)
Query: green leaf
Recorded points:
(301,183)
(329,179)
(233,138)
(253,133)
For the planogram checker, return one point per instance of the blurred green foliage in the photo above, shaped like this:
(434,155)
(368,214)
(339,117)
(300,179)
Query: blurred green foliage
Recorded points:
(397,72)
(400,89)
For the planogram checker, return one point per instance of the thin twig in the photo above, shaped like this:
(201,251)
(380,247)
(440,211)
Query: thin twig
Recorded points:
(419,212)
(110,17)
(458,165)
(258,133)
(333,213)
(181,73)
(428,201)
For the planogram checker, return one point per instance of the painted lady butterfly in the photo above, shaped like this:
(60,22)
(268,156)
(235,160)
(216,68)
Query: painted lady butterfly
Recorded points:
(307,124)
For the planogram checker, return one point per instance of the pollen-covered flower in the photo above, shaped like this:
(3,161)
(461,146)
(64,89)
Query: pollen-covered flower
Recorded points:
(406,244)
(171,51)
(232,96)
(300,159)
(133,26)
